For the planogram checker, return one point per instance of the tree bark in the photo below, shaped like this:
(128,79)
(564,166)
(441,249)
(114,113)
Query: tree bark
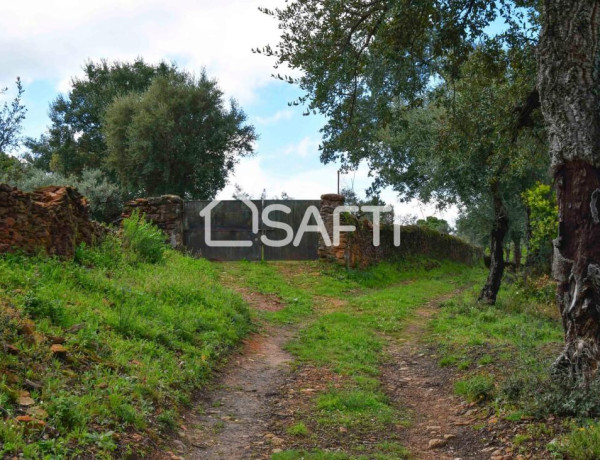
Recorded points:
(568,65)
(492,286)
(518,253)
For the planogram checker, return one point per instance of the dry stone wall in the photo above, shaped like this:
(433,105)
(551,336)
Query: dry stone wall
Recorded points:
(52,219)
(166,212)
(356,249)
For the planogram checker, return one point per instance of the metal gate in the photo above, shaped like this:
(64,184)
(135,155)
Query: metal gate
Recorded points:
(236,221)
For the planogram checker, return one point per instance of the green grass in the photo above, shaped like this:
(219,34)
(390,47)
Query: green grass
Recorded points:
(139,339)
(476,388)
(523,333)
(581,443)
(386,451)
(347,318)
(264,277)
(312,455)
(298,429)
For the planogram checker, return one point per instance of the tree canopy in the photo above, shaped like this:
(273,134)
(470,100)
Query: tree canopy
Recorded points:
(12,115)
(435,223)
(424,93)
(75,138)
(177,137)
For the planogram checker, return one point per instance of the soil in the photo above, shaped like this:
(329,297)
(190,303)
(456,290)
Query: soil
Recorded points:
(228,422)
(442,424)
(259,395)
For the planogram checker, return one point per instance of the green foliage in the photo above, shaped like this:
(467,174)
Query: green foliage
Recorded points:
(476,388)
(75,139)
(351,198)
(140,340)
(582,443)
(11,120)
(105,197)
(313,455)
(298,429)
(38,308)
(185,117)
(360,61)
(522,332)
(421,93)
(8,163)
(142,240)
(435,223)
(543,217)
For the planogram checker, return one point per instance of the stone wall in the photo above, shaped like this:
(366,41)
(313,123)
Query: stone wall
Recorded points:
(166,212)
(54,220)
(356,249)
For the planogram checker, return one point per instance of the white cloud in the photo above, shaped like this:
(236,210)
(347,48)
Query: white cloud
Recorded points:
(51,40)
(308,146)
(275,118)
(252,176)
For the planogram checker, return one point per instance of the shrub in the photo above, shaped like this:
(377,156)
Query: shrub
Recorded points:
(540,393)
(105,198)
(142,241)
(108,254)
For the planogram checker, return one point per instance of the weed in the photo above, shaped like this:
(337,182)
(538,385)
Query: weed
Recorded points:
(140,338)
(298,429)
(476,388)
(143,241)
(168,419)
(581,443)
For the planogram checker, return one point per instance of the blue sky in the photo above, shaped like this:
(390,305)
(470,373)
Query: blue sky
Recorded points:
(46,43)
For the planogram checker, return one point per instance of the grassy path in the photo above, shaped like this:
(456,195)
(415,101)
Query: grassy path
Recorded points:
(335,400)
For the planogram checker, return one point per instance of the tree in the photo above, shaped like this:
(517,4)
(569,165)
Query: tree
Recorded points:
(178,137)
(360,57)
(351,198)
(458,147)
(11,119)
(568,81)
(75,139)
(435,223)
(542,211)
(385,74)
(8,163)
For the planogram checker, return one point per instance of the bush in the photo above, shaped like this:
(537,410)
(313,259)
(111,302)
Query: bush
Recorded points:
(142,241)
(108,254)
(105,198)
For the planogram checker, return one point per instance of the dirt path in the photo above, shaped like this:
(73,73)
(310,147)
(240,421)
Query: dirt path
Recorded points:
(230,420)
(257,395)
(442,425)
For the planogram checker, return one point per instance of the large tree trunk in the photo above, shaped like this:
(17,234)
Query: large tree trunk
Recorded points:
(492,285)
(569,85)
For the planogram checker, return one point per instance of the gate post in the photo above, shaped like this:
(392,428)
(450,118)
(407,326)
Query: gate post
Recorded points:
(166,212)
(337,254)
